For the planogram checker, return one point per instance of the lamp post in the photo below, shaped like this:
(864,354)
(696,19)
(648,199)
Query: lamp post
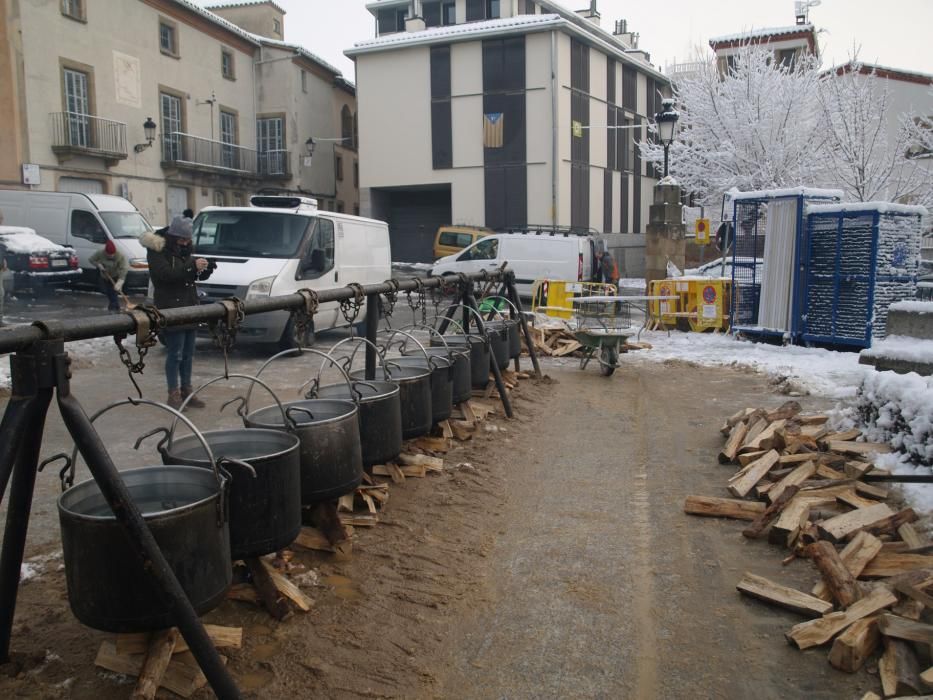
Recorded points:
(149,127)
(666,122)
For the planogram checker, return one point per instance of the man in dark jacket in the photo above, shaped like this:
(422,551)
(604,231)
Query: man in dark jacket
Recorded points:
(174,273)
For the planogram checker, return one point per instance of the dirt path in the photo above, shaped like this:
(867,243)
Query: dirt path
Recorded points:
(552,559)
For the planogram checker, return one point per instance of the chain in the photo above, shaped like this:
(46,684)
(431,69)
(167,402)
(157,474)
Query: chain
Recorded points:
(149,323)
(303,318)
(412,304)
(225,330)
(350,308)
(387,307)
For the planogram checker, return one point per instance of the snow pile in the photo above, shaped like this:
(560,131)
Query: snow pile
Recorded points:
(34,567)
(835,375)
(913,307)
(898,409)
(632,283)
(411,266)
(25,241)
(902,347)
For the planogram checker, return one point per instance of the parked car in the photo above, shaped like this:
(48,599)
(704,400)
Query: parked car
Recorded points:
(35,262)
(450,240)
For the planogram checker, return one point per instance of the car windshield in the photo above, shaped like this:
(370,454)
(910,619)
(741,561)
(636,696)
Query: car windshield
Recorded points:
(125,224)
(249,234)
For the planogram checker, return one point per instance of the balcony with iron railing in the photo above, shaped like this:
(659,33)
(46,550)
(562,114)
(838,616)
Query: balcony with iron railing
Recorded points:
(189,152)
(74,134)
(275,164)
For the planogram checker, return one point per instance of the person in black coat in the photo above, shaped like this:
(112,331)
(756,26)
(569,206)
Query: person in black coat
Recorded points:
(174,273)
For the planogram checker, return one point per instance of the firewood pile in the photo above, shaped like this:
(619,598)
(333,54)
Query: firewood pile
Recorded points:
(801,485)
(553,338)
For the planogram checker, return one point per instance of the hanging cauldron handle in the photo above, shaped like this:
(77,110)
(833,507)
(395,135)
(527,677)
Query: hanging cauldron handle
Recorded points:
(409,336)
(484,337)
(434,331)
(221,481)
(358,340)
(513,310)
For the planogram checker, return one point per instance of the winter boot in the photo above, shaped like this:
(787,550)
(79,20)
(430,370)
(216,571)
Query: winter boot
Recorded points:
(174,399)
(193,403)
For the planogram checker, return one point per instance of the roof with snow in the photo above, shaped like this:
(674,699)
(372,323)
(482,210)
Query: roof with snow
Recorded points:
(297,48)
(809,192)
(245,3)
(880,207)
(217,19)
(765,33)
(910,76)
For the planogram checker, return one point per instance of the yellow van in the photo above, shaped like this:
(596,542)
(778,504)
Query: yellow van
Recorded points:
(453,239)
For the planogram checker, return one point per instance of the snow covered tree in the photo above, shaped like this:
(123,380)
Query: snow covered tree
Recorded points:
(867,148)
(919,128)
(756,127)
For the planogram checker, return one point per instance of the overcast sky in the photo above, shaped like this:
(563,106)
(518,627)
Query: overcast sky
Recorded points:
(896,33)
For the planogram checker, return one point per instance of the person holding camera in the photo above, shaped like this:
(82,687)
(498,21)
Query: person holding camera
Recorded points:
(174,273)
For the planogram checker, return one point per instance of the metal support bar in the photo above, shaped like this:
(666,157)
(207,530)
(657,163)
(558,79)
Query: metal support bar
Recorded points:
(445,322)
(372,330)
(470,301)
(899,478)
(514,298)
(15,418)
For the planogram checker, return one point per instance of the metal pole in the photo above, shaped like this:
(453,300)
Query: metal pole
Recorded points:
(127,513)
(372,330)
(666,147)
(445,322)
(470,301)
(513,293)
(14,418)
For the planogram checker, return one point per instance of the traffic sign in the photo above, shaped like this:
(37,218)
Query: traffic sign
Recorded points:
(702,231)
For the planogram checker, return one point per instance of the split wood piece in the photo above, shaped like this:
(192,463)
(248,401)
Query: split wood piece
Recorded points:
(788,410)
(222,637)
(750,457)
(871,696)
(390,470)
(345,502)
(909,608)
(818,419)
(762,490)
(835,529)
(887,564)
(782,596)
(816,632)
(927,676)
(901,628)
(871,491)
(794,516)
(567,347)
(778,474)
(287,588)
(914,593)
(434,444)
(852,648)
(818,489)
(434,464)
(771,512)
(825,471)
(795,478)
(890,525)
(755,472)
(851,498)
(844,436)
(273,599)
(156,664)
(462,429)
(713,507)
(446,431)
(755,429)
(359,519)
(324,516)
(838,579)
(798,458)
(182,677)
(767,439)
(856,470)
(312,538)
(466,409)
(911,536)
(733,443)
(855,557)
(378,492)
(244,592)
(899,669)
(858,449)
(814,432)
(487,407)
(735,419)
(368,501)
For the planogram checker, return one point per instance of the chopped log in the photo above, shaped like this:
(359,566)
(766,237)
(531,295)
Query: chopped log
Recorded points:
(778,474)
(771,512)
(390,470)
(818,419)
(899,669)
(312,538)
(798,458)
(368,501)
(840,582)
(890,525)
(345,502)
(819,631)
(895,563)
(788,410)
(446,430)
(755,429)
(273,599)
(816,489)
(323,515)
(733,444)
(793,517)
(182,677)
(434,464)
(909,608)
(736,418)
(914,593)
(844,436)
(853,647)
(244,592)
(767,439)
(856,469)
(567,348)
(901,628)
(723,507)
(835,529)
(795,478)
(814,432)
(359,519)
(466,408)
(871,696)
(762,489)
(287,588)
(782,596)
(222,637)
(154,667)
(911,536)
(855,557)
(824,471)
(756,470)
(434,444)
(750,457)
(927,676)
(414,471)
(851,498)
(858,449)
(463,430)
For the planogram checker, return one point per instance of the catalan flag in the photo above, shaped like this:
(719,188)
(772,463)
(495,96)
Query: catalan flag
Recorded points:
(493,130)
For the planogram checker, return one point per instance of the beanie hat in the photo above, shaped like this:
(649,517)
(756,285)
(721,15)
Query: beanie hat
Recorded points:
(110,248)
(180,228)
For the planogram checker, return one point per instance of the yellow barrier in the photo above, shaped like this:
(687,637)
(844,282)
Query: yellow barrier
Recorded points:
(555,297)
(702,304)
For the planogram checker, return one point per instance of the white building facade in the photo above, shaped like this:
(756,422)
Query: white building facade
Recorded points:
(496,114)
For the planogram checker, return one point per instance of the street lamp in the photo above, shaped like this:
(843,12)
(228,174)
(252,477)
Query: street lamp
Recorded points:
(666,122)
(149,127)
(309,146)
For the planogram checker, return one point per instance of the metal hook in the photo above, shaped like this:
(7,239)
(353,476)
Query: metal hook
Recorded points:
(160,446)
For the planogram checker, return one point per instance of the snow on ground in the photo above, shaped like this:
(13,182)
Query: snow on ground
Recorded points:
(411,266)
(84,353)
(834,375)
(902,347)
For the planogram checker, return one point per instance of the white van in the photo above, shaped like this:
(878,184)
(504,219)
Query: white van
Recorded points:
(83,221)
(531,256)
(282,244)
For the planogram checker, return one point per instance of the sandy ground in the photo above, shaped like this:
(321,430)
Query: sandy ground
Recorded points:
(552,559)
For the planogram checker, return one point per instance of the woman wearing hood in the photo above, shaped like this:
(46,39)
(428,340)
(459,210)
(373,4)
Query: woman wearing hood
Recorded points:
(174,273)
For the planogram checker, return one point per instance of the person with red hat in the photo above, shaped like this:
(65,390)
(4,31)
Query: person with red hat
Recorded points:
(113,268)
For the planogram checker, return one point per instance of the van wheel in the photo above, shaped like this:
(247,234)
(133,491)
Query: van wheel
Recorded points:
(288,340)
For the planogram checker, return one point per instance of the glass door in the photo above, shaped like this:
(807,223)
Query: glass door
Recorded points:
(77,107)
(171,128)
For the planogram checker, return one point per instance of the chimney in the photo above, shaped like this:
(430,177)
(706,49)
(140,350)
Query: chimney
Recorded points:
(590,13)
(621,27)
(622,33)
(414,22)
